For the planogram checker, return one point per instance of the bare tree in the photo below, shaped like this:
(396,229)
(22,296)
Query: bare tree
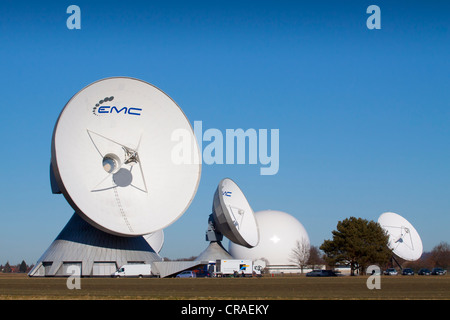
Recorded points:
(440,255)
(300,253)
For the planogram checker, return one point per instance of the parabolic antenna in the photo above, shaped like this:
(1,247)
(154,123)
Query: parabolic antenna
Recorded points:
(404,240)
(113,157)
(233,216)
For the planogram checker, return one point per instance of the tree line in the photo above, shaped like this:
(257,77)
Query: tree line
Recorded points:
(19,268)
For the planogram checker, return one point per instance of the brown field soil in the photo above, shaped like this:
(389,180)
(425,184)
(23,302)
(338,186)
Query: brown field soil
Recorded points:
(21,287)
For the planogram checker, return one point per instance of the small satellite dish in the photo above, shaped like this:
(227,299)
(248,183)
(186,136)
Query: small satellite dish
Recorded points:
(155,240)
(404,240)
(258,266)
(233,216)
(112,157)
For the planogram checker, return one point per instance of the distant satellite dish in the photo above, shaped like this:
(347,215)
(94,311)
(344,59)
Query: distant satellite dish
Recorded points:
(259,265)
(155,240)
(112,157)
(404,240)
(233,216)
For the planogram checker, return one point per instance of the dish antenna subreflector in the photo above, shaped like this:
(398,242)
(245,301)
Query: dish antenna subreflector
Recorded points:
(404,240)
(115,157)
(233,218)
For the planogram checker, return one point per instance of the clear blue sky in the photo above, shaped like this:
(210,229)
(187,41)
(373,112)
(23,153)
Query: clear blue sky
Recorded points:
(363,115)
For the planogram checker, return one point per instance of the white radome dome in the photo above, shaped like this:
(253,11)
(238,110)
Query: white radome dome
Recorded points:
(279,233)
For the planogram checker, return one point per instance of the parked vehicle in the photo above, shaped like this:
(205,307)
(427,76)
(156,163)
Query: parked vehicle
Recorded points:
(408,272)
(202,274)
(391,272)
(424,272)
(186,274)
(234,267)
(321,273)
(134,270)
(438,272)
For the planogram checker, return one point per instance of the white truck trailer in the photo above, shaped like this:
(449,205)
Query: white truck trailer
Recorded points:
(134,270)
(230,267)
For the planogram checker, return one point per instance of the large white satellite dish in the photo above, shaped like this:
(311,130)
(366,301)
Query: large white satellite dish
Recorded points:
(112,157)
(233,216)
(404,240)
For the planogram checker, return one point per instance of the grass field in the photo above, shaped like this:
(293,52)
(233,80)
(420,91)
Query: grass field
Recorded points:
(21,287)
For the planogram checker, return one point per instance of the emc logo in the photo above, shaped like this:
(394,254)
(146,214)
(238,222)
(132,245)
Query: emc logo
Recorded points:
(101,110)
(227,193)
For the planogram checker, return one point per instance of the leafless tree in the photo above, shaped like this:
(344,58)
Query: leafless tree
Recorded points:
(440,255)
(300,254)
